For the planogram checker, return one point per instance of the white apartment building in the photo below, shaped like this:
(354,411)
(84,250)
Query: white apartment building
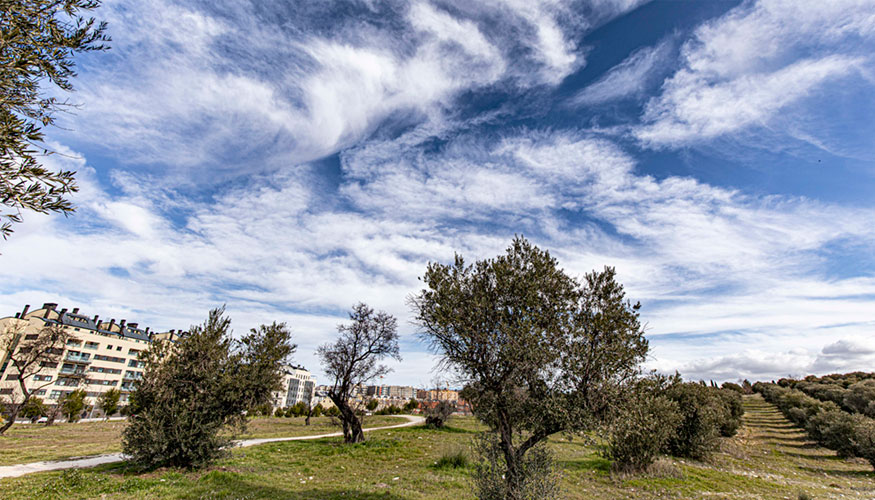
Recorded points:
(99,356)
(299,385)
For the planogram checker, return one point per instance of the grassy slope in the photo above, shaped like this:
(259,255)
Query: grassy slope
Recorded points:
(769,459)
(31,443)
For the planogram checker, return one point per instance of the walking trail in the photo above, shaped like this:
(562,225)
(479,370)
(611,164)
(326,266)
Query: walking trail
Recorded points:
(80,463)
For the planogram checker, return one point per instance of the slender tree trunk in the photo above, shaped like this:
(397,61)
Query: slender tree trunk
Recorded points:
(12,416)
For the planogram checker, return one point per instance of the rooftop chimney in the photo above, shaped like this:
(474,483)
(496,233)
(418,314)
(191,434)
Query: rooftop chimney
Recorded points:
(63,312)
(147,330)
(133,325)
(121,325)
(111,324)
(96,317)
(172,331)
(75,310)
(50,306)
(24,311)
(16,315)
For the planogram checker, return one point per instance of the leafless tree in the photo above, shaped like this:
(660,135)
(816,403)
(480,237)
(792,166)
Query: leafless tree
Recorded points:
(30,354)
(352,361)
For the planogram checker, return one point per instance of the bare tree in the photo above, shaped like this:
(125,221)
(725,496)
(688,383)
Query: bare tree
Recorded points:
(28,355)
(352,361)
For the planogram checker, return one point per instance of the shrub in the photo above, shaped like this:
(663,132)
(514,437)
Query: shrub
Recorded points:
(641,431)
(863,439)
(34,409)
(702,413)
(436,416)
(833,429)
(859,397)
(411,405)
(732,387)
(457,459)
(199,386)
(73,403)
(317,410)
(733,410)
(536,479)
(332,412)
(279,413)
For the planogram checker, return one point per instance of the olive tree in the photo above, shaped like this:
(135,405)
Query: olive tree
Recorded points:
(38,39)
(537,351)
(352,361)
(199,386)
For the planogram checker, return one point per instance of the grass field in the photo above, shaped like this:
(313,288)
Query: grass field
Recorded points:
(769,459)
(32,443)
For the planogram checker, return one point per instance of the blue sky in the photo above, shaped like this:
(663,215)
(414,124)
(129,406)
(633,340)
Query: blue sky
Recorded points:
(292,158)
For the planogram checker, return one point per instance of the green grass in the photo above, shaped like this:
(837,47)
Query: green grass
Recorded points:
(33,443)
(769,459)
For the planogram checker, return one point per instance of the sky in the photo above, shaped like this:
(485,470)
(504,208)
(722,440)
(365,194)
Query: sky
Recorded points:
(290,159)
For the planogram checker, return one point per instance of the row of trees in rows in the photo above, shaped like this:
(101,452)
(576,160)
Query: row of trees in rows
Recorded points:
(665,415)
(853,392)
(849,434)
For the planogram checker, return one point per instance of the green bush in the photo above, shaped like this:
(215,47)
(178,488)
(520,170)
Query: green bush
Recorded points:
(198,387)
(864,439)
(702,413)
(457,459)
(641,431)
(279,413)
(731,386)
(72,404)
(332,412)
(34,409)
(733,410)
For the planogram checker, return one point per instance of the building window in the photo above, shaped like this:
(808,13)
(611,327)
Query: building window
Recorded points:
(55,395)
(42,378)
(119,348)
(73,342)
(108,346)
(39,392)
(91,345)
(6,390)
(12,377)
(31,336)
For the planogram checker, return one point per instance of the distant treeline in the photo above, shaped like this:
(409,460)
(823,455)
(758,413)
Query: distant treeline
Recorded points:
(832,409)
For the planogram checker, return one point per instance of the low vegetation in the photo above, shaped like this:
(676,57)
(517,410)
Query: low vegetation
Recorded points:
(33,443)
(849,434)
(767,459)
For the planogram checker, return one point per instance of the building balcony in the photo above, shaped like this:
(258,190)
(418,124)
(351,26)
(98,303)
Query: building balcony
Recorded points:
(73,358)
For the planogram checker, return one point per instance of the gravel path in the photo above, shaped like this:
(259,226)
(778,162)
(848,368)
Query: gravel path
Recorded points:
(79,463)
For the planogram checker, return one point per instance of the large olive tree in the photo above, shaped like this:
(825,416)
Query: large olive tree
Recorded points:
(537,351)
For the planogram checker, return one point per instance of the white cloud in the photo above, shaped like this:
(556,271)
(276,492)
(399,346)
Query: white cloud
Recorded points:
(760,58)
(627,79)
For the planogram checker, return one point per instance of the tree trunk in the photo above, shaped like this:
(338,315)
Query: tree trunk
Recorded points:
(352,426)
(12,416)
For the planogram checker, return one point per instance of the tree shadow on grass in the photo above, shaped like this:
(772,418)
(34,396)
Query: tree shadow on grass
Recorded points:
(589,463)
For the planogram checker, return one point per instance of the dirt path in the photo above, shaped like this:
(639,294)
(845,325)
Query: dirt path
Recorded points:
(22,469)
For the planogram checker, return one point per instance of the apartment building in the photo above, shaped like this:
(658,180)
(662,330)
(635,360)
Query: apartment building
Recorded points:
(391,392)
(99,356)
(299,385)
